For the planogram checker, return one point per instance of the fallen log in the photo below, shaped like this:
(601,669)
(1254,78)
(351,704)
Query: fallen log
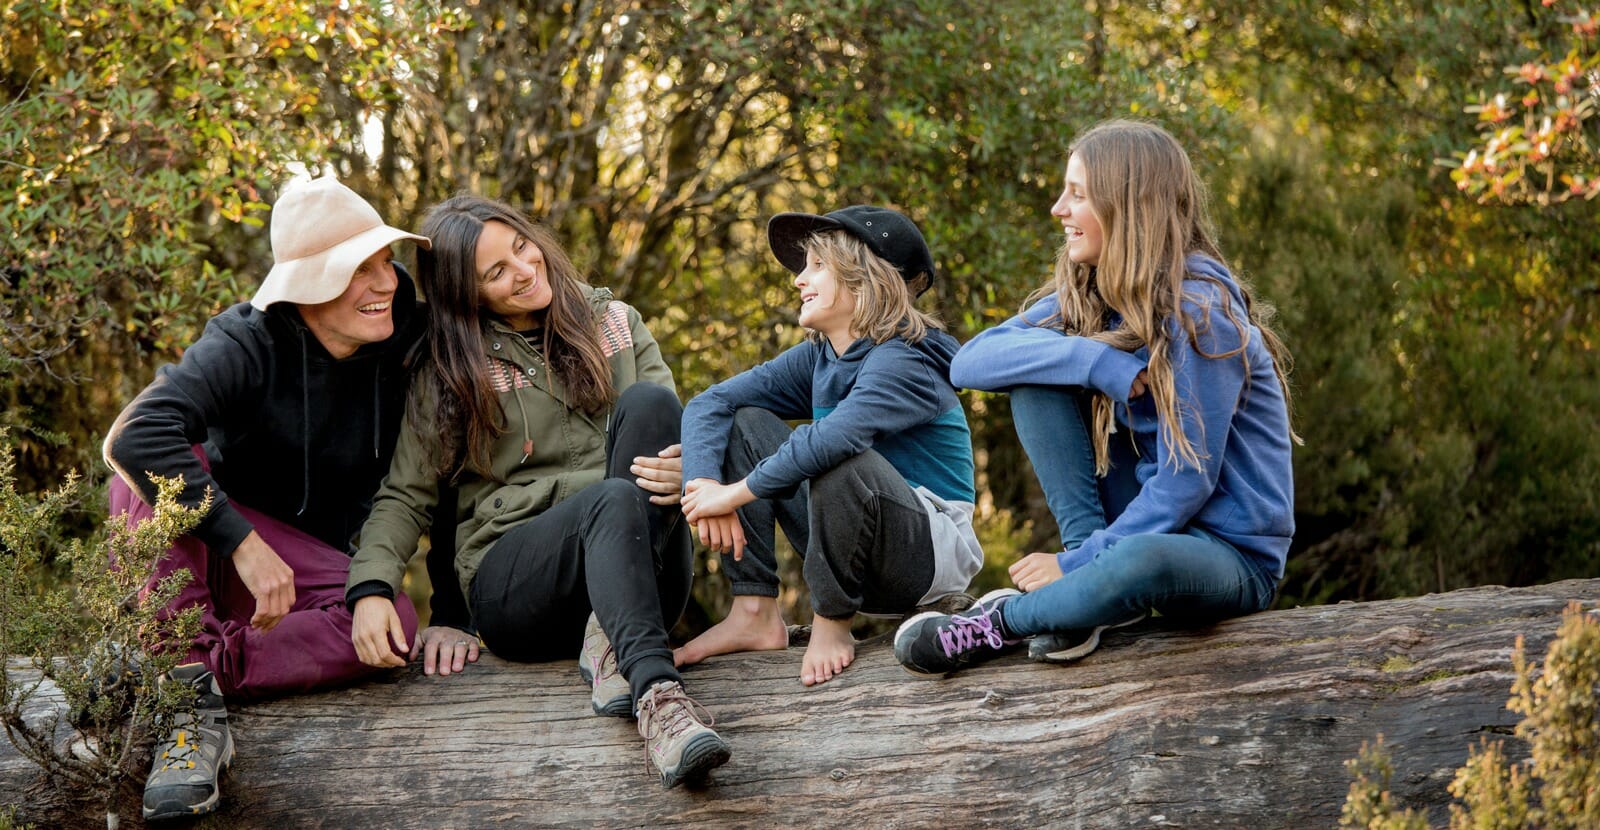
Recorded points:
(1243,724)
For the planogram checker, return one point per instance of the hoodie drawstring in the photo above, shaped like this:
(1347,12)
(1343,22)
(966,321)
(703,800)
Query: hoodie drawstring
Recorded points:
(377,409)
(305,426)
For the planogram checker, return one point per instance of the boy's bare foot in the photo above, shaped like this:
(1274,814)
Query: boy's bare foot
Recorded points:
(753,624)
(831,649)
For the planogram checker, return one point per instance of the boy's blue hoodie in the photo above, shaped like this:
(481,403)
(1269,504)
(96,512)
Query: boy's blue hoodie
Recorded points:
(1243,491)
(894,397)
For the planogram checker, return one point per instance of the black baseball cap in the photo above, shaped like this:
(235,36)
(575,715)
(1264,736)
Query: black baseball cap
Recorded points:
(887,233)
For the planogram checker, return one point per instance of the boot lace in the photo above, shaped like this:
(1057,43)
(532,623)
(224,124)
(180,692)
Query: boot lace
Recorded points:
(964,634)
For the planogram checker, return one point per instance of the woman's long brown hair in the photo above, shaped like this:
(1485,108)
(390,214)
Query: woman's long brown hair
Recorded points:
(1152,211)
(460,415)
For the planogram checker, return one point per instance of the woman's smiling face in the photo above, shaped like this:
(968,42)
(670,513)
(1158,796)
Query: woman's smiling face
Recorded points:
(513,283)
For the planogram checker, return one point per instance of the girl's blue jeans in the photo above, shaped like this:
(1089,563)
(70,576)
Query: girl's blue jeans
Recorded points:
(1190,575)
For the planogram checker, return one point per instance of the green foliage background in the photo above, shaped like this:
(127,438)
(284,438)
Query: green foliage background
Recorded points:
(1445,349)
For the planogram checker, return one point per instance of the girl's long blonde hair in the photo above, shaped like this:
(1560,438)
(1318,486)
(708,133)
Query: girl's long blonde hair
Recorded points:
(1152,211)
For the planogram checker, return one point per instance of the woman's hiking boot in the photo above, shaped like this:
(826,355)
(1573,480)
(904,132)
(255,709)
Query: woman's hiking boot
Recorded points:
(677,734)
(597,662)
(934,644)
(190,759)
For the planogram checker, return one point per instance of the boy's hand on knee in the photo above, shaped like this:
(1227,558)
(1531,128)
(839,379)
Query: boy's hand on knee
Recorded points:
(269,579)
(722,534)
(376,622)
(660,475)
(1035,571)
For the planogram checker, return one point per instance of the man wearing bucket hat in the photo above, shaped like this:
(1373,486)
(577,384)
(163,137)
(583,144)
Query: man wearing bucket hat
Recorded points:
(286,410)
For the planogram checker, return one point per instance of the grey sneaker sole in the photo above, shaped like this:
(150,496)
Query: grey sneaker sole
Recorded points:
(1049,648)
(172,809)
(703,754)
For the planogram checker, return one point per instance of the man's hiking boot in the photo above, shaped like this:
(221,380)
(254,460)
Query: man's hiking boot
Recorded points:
(1066,646)
(934,644)
(188,762)
(597,662)
(677,737)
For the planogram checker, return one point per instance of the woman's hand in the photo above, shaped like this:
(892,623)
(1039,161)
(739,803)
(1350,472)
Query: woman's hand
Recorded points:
(705,498)
(662,475)
(445,648)
(376,622)
(1036,570)
(1141,382)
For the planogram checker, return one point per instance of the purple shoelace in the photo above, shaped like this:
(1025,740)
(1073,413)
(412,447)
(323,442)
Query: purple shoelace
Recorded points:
(966,633)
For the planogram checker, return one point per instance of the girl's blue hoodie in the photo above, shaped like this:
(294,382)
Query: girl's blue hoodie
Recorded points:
(1238,422)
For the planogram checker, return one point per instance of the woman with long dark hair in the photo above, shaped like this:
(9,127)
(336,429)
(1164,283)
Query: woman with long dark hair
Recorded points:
(546,403)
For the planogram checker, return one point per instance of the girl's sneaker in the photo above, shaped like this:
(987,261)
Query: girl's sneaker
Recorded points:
(1066,646)
(677,734)
(932,643)
(597,663)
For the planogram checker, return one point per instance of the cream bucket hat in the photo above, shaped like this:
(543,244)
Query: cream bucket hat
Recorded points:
(321,232)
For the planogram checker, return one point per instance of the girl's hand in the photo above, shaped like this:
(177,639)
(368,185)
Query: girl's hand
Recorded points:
(445,648)
(376,625)
(661,475)
(706,498)
(722,534)
(1036,570)
(1140,382)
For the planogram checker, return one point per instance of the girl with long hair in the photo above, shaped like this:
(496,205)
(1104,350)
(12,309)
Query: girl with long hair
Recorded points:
(1150,394)
(546,404)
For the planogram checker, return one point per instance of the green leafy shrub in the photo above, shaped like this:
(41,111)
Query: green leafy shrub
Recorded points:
(1557,788)
(91,638)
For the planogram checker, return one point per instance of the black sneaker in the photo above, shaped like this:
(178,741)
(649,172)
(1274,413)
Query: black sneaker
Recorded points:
(1066,646)
(932,643)
(188,762)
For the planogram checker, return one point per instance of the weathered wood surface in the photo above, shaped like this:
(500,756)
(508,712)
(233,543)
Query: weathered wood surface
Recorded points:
(1244,724)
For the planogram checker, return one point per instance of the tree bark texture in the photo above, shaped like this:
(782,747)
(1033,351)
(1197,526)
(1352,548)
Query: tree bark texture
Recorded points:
(1242,724)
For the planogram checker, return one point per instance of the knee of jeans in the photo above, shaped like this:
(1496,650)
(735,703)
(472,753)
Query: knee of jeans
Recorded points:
(753,419)
(648,397)
(1141,562)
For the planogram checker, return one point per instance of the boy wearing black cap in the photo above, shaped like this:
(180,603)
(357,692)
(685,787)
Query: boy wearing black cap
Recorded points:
(877,491)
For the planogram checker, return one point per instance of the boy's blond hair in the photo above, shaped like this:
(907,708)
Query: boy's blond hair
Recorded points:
(884,300)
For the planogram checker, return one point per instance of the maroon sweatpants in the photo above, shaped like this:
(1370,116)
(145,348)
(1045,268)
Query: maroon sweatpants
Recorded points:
(308,649)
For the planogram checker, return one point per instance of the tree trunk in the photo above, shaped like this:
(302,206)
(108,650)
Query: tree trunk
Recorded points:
(1242,724)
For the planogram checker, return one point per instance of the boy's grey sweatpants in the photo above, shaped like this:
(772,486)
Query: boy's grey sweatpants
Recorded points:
(863,530)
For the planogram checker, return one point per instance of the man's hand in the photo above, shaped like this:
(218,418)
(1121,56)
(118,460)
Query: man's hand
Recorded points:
(376,625)
(269,579)
(1035,571)
(661,475)
(446,649)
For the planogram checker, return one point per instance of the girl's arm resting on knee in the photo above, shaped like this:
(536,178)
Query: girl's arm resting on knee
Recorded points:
(1208,391)
(1016,354)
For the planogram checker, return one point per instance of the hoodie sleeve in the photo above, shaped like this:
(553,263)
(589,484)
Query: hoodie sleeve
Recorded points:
(1208,392)
(896,389)
(781,385)
(220,375)
(1021,352)
(400,513)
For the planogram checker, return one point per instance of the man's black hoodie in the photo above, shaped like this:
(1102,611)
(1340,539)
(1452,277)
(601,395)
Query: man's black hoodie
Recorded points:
(287,429)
